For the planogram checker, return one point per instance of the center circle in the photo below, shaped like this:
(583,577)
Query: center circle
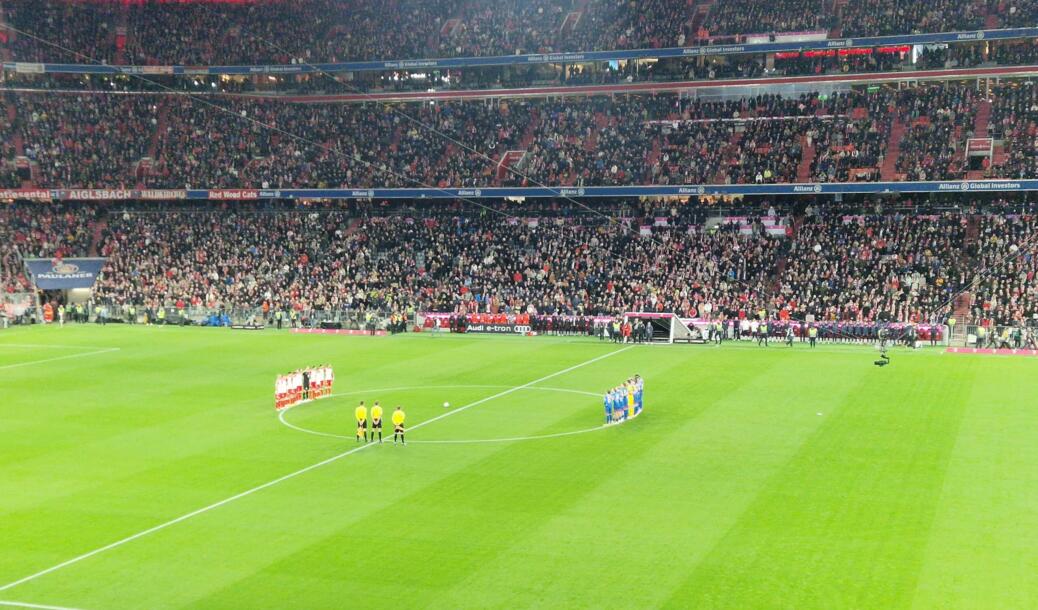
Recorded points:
(284,421)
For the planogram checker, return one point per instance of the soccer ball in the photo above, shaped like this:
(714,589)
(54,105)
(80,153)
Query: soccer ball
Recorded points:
(446,405)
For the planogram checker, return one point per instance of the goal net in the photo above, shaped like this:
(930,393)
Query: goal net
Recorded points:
(667,327)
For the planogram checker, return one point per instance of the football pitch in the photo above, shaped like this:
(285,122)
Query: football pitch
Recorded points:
(145,467)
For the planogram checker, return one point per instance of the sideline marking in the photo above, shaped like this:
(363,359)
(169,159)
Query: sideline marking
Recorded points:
(45,360)
(291,475)
(281,415)
(28,605)
(53,345)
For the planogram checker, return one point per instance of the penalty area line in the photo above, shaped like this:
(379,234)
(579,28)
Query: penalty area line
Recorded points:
(291,475)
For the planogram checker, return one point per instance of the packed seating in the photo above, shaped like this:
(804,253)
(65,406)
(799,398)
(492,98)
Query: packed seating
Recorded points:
(99,141)
(892,268)
(545,256)
(1014,117)
(86,140)
(752,16)
(937,118)
(278,31)
(889,17)
(1006,259)
(34,231)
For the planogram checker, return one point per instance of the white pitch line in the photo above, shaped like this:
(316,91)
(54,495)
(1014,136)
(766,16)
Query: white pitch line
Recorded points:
(281,415)
(511,439)
(45,360)
(288,476)
(53,345)
(37,606)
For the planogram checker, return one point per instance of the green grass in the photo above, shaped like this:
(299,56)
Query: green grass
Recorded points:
(755,479)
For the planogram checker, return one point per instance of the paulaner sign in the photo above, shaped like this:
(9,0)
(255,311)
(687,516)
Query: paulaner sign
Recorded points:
(64,274)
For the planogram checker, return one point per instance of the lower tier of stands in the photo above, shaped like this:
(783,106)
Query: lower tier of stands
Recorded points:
(855,262)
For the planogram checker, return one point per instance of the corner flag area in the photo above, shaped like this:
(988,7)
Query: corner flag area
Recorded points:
(143,467)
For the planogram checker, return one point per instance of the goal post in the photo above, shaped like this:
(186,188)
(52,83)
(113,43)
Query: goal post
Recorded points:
(668,327)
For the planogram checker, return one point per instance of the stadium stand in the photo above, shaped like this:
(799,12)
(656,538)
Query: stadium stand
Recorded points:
(42,232)
(112,141)
(193,33)
(851,264)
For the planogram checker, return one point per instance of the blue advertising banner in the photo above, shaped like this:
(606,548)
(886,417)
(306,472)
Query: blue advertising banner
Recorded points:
(536,58)
(652,190)
(64,274)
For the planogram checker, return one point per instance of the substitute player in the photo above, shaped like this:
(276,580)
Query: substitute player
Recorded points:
(398,425)
(376,421)
(361,413)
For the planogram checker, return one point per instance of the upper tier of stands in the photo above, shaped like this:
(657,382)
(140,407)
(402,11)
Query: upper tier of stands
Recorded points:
(145,32)
(97,140)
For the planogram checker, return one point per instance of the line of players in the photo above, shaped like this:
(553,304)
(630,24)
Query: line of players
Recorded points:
(624,402)
(361,413)
(304,384)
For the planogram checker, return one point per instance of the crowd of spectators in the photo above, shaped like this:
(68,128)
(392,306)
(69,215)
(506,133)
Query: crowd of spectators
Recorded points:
(891,267)
(98,141)
(431,260)
(34,231)
(278,31)
(86,141)
(889,17)
(548,257)
(544,257)
(1014,117)
(939,120)
(1006,254)
(733,17)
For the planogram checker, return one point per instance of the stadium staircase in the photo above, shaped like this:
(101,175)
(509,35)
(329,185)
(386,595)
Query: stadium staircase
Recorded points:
(655,153)
(972,229)
(12,119)
(394,142)
(698,17)
(509,159)
(352,228)
(147,162)
(122,34)
(888,171)
(531,130)
(807,159)
(981,121)
(699,20)
(998,157)
(161,120)
(97,229)
(449,27)
(570,22)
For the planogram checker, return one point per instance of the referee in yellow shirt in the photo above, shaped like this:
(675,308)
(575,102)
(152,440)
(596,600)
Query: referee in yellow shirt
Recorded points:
(361,412)
(376,421)
(398,425)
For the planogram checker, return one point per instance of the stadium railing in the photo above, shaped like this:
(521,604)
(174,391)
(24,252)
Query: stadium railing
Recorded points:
(1020,336)
(348,319)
